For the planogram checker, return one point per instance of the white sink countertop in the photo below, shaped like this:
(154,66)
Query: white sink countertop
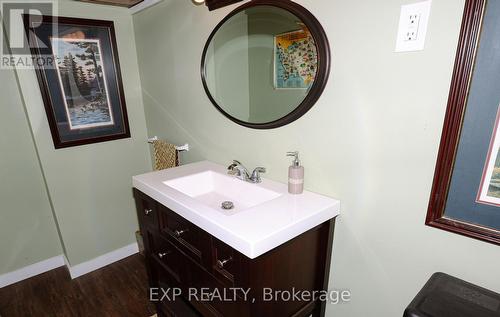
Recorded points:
(265,215)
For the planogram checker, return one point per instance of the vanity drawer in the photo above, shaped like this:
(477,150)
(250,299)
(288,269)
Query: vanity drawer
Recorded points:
(213,298)
(147,210)
(169,258)
(189,238)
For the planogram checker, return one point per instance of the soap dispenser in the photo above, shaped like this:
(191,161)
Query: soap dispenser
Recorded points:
(295,175)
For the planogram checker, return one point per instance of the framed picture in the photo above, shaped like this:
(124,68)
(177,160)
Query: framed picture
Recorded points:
(79,79)
(465,197)
(295,60)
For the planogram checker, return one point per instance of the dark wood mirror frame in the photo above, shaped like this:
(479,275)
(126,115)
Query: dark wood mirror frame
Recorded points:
(323,48)
(464,65)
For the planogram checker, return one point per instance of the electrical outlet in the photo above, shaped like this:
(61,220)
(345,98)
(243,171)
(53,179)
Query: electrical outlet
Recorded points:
(413,26)
(411,35)
(413,20)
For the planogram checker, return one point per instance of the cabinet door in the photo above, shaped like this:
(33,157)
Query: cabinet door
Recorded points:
(169,304)
(213,298)
(226,263)
(147,211)
(176,308)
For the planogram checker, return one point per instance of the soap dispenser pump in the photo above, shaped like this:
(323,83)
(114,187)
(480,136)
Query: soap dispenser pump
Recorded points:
(295,175)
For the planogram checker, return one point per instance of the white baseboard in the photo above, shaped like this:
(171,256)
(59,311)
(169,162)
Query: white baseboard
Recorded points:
(75,271)
(103,260)
(31,270)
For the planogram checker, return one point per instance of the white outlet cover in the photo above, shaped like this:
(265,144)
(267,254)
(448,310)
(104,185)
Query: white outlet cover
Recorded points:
(412,29)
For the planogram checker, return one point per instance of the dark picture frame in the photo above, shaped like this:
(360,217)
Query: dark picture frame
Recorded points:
(323,63)
(450,146)
(80,79)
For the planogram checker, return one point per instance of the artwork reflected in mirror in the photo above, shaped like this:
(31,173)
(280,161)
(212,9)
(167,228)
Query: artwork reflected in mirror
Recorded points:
(295,60)
(266,64)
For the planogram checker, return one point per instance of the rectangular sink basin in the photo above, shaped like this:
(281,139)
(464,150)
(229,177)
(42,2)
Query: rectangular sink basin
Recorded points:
(212,189)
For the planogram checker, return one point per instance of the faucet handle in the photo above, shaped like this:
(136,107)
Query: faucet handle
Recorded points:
(231,168)
(256,174)
(259,170)
(233,165)
(239,170)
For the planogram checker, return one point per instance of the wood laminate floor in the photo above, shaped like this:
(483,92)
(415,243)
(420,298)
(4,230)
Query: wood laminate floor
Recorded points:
(119,289)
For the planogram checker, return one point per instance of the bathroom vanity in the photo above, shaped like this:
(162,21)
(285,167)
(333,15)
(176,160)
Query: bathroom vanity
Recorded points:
(229,262)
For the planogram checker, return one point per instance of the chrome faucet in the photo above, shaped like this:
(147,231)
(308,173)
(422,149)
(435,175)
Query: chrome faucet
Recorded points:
(241,172)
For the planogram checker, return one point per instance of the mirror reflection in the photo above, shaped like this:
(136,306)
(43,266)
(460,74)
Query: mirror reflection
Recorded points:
(260,64)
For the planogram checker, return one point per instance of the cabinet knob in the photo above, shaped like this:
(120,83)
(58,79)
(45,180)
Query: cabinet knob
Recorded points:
(148,211)
(221,263)
(164,254)
(179,233)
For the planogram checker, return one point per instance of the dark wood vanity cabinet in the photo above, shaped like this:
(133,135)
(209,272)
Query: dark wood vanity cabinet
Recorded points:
(216,280)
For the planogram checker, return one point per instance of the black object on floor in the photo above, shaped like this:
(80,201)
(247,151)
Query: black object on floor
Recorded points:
(446,296)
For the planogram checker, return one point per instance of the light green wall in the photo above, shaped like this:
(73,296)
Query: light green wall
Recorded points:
(91,185)
(371,140)
(27,230)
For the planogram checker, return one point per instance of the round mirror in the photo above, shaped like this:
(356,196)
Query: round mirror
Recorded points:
(266,63)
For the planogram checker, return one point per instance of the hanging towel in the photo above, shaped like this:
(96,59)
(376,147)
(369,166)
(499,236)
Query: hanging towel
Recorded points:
(165,155)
